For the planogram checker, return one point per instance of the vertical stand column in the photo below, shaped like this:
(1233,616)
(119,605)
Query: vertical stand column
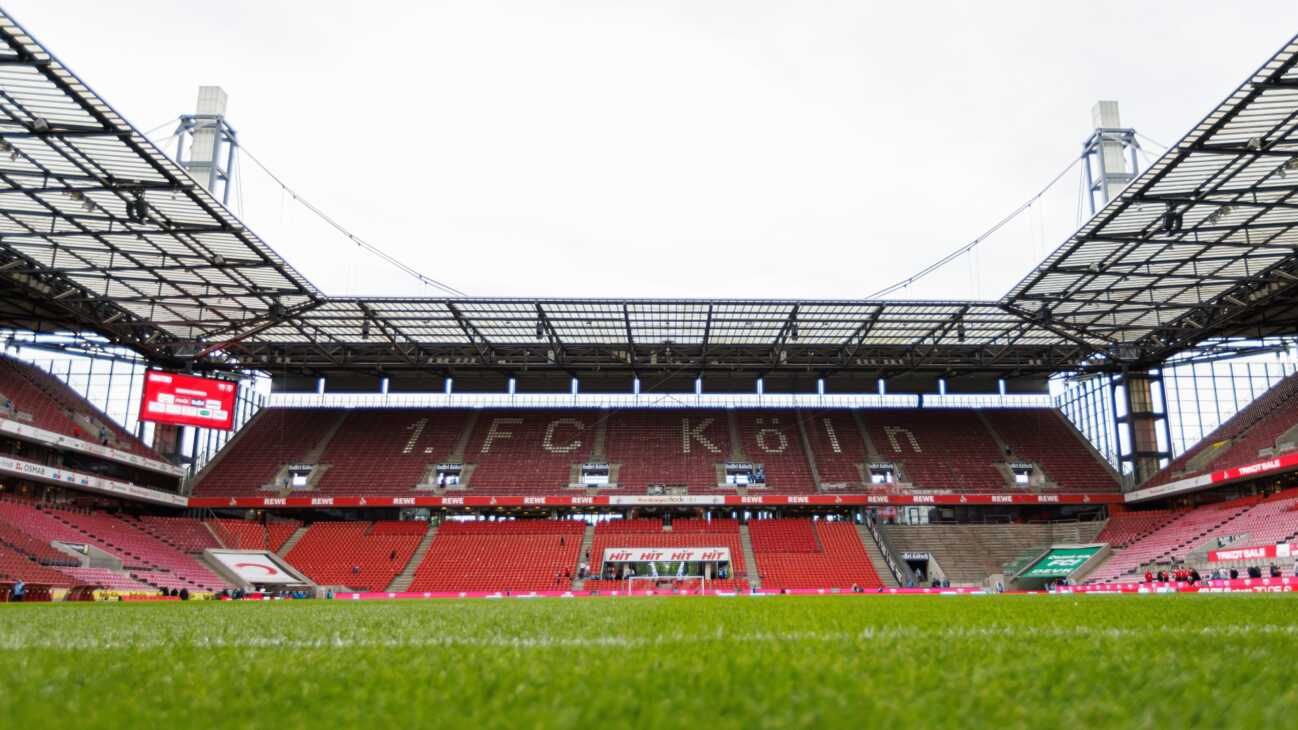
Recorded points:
(1145,404)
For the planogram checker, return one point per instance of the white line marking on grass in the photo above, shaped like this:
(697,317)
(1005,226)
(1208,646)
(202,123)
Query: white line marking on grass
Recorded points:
(26,641)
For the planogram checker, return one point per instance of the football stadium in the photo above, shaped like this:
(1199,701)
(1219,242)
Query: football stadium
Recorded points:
(229,497)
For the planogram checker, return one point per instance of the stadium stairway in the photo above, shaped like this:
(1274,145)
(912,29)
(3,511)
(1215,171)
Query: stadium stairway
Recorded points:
(805,439)
(969,554)
(587,541)
(750,557)
(403,580)
(876,557)
(291,541)
(313,456)
(215,535)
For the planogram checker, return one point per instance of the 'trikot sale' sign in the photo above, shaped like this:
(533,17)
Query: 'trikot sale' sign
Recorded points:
(186,400)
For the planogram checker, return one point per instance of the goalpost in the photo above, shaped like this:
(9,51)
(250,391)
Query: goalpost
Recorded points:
(645,584)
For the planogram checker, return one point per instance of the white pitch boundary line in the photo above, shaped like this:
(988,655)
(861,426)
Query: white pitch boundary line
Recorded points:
(26,642)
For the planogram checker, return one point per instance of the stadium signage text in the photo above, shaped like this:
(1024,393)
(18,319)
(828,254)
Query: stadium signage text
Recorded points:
(40,435)
(78,480)
(1284,462)
(845,500)
(1061,562)
(1261,552)
(656,555)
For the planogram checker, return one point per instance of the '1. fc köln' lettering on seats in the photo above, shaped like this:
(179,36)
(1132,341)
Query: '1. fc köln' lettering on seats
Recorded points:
(894,431)
(553,440)
(496,433)
(548,443)
(696,434)
(770,438)
(833,437)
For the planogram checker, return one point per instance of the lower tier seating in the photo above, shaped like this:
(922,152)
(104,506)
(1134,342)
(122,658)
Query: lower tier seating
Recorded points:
(121,538)
(248,535)
(837,559)
(15,566)
(350,554)
(516,556)
(1247,522)
(183,533)
(1125,528)
(112,580)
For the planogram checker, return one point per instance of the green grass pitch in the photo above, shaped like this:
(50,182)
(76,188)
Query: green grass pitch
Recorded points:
(833,661)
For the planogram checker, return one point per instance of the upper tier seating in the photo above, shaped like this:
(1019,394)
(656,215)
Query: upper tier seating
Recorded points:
(668,447)
(533,452)
(838,448)
(1041,435)
(44,401)
(774,439)
(274,438)
(387,451)
(516,556)
(696,533)
(800,554)
(939,448)
(528,452)
(1255,427)
(351,554)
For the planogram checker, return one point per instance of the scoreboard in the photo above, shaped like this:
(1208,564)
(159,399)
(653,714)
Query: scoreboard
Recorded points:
(188,400)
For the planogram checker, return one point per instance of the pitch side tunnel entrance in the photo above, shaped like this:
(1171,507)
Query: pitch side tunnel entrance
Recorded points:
(645,569)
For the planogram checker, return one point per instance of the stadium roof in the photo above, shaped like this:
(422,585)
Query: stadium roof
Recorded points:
(649,333)
(1201,245)
(75,248)
(177,277)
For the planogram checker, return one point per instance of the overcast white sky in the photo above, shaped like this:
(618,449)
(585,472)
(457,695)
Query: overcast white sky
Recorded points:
(667,149)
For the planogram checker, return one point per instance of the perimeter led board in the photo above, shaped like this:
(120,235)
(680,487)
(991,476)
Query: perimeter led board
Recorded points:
(187,400)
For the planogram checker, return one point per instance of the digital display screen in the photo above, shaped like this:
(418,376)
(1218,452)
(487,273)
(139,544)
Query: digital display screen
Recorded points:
(188,400)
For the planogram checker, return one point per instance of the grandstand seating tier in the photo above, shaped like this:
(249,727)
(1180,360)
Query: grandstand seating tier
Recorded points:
(42,400)
(795,554)
(535,452)
(939,448)
(350,554)
(1254,427)
(516,556)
